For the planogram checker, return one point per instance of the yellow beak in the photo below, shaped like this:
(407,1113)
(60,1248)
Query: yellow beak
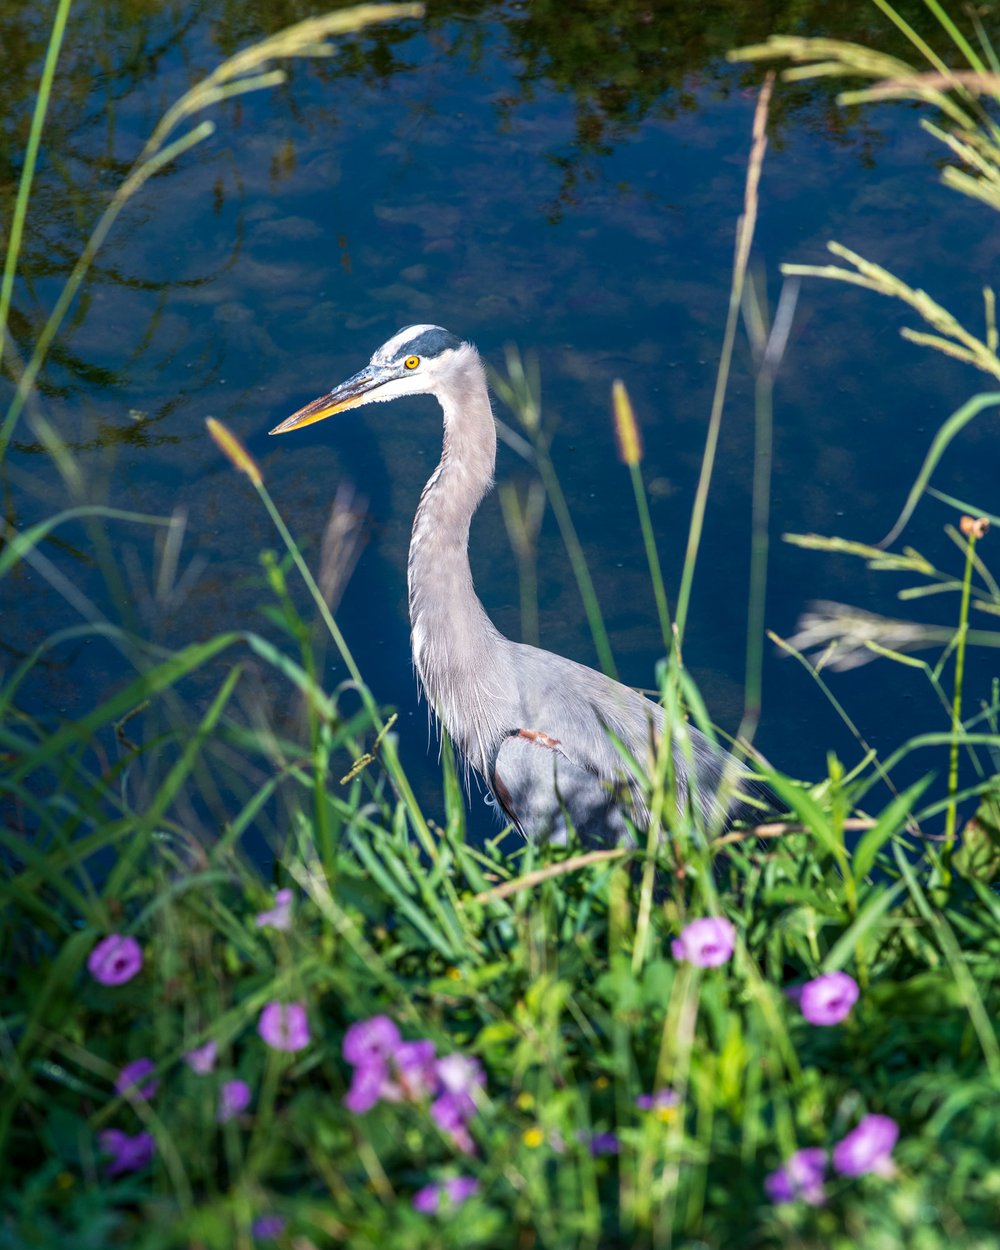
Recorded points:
(350,394)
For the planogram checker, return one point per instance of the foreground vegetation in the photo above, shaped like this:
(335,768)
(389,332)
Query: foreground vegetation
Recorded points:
(393,1038)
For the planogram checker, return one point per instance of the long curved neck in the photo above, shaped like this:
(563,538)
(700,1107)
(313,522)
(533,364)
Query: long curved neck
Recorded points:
(452,637)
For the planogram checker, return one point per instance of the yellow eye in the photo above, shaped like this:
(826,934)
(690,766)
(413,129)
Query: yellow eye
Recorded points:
(411,362)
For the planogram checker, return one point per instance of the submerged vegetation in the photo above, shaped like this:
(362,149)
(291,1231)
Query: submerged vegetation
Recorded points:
(252,995)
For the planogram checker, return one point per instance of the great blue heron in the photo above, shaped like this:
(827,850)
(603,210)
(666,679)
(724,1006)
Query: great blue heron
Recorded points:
(539,729)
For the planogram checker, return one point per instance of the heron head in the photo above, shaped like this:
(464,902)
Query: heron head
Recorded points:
(412,362)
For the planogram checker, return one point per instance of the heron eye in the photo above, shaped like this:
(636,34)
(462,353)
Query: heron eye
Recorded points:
(411,362)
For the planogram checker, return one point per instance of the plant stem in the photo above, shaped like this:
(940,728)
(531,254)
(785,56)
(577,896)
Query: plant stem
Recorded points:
(649,541)
(951,819)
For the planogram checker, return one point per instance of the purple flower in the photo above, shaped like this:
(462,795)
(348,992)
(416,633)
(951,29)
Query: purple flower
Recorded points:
(706,943)
(454,1192)
(128,1154)
(115,959)
(660,1100)
(368,1040)
(127,1080)
(234,1097)
(416,1068)
(367,1084)
(450,1112)
(284,1026)
(461,1187)
(280,915)
(867,1148)
(828,999)
(459,1076)
(801,1178)
(385,1067)
(267,1227)
(202,1059)
(600,1143)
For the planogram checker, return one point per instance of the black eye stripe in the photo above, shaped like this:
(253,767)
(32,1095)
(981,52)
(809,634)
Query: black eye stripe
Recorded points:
(431,343)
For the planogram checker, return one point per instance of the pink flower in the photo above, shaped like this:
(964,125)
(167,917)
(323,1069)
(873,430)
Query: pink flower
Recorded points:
(868,1148)
(115,959)
(706,943)
(367,1086)
(416,1069)
(367,1040)
(284,1026)
(386,1067)
(127,1081)
(828,999)
(461,1076)
(452,1193)
(450,1113)
(801,1178)
(280,915)
(202,1059)
(128,1154)
(234,1097)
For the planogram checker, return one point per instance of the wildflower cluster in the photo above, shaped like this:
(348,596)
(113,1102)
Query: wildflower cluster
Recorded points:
(234,1096)
(115,960)
(824,1001)
(867,1148)
(387,1068)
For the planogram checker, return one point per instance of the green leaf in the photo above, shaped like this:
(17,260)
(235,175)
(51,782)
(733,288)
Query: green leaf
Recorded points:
(955,423)
(978,856)
(802,804)
(21,541)
(143,687)
(890,822)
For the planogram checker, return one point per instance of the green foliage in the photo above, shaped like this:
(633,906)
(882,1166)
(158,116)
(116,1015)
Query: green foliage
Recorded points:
(149,816)
(540,985)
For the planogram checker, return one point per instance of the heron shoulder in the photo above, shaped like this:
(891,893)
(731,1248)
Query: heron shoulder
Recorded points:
(582,708)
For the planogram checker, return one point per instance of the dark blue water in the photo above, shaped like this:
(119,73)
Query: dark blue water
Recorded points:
(454,174)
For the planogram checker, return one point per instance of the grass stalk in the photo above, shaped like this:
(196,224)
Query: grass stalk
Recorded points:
(630,450)
(27,177)
(957,728)
(519,392)
(744,238)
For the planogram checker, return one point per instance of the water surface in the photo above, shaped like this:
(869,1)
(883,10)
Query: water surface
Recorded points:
(568,183)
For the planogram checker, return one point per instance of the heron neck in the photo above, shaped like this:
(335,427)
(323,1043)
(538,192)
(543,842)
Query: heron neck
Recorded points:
(451,633)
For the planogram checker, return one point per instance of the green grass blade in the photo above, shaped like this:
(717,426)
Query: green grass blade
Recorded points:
(948,431)
(30,161)
(890,822)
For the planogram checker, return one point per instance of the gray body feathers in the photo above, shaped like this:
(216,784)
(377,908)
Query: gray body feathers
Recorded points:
(538,728)
(558,744)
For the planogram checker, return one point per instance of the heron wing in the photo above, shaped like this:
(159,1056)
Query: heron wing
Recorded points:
(545,793)
(590,717)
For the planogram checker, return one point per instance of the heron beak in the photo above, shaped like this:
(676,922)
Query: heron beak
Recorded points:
(350,394)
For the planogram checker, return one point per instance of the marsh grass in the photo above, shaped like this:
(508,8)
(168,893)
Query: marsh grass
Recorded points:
(552,967)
